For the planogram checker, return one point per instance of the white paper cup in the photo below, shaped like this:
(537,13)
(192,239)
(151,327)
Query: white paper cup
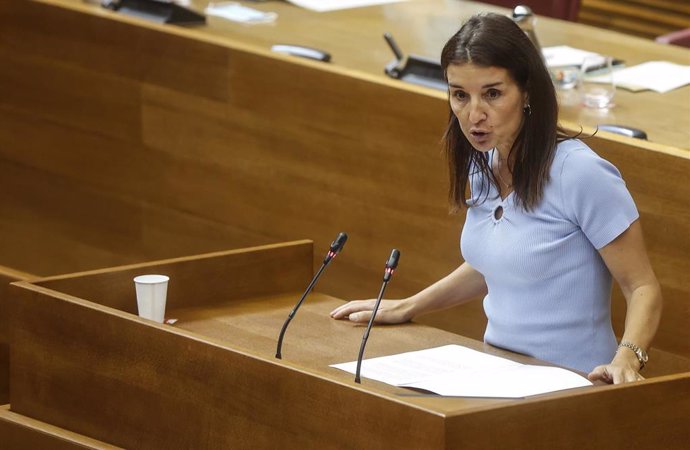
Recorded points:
(152,291)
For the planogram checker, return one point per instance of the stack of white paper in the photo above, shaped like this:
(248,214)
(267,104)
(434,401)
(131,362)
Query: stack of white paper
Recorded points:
(454,370)
(239,13)
(564,56)
(659,76)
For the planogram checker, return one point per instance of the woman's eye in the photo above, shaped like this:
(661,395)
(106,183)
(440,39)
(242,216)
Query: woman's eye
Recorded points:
(460,95)
(493,93)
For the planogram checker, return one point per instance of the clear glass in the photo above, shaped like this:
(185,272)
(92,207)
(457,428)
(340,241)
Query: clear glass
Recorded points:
(596,84)
(565,78)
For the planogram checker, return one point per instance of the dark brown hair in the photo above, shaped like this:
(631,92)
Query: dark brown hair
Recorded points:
(494,40)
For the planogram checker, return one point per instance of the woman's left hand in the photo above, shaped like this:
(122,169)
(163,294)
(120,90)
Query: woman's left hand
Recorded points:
(616,372)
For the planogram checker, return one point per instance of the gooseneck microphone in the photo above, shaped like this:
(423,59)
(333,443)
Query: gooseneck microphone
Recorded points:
(391,265)
(336,247)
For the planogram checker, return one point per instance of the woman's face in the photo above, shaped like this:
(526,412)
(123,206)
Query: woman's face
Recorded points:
(488,105)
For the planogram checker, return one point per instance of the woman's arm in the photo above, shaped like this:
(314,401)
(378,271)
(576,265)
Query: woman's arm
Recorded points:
(627,260)
(460,286)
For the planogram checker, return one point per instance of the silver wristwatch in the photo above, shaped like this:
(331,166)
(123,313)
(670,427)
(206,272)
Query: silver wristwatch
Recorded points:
(642,356)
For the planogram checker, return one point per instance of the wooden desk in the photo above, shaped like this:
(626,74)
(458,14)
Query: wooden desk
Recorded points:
(84,362)
(354,38)
(141,142)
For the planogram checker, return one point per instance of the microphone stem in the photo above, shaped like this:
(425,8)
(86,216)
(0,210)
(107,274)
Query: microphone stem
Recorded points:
(299,303)
(365,337)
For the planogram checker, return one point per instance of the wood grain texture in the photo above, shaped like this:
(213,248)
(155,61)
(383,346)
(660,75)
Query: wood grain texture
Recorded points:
(129,153)
(647,18)
(7,276)
(20,432)
(211,380)
(198,280)
(585,421)
(180,388)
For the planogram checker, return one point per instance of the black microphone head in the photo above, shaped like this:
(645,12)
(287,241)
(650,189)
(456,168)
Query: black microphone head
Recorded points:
(337,245)
(392,262)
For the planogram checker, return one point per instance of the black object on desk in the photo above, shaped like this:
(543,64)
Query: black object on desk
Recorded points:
(414,69)
(624,130)
(162,11)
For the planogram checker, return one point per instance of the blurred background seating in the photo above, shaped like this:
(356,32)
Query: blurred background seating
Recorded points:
(680,37)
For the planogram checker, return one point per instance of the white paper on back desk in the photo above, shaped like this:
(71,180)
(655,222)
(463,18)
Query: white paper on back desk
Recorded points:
(659,76)
(334,5)
(454,370)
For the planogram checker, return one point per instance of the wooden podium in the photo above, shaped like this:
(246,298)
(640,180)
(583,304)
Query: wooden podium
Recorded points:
(82,360)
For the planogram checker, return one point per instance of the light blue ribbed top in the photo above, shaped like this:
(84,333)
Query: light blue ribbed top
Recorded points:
(549,291)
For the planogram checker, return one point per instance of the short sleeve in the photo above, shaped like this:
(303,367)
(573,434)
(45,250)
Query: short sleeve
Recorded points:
(595,197)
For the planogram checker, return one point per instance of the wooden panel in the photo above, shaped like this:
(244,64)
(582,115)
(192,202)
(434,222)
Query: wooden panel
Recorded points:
(74,97)
(241,147)
(18,432)
(7,276)
(231,275)
(584,422)
(55,37)
(664,216)
(85,367)
(420,28)
(75,227)
(181,392)
(647,18)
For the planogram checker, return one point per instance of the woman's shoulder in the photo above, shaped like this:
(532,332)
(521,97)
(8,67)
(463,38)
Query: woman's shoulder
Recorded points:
(574,155)
(570,148)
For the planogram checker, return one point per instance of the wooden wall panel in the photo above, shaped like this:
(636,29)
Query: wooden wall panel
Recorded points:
(19,432)
(70,96)
(57,34)
(180,390)
(7,276)
(646,18)
(51,225)
(578,422)
(657,181)
(227,276)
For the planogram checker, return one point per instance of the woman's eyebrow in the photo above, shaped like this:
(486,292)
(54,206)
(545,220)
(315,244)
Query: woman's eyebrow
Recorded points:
(490,85)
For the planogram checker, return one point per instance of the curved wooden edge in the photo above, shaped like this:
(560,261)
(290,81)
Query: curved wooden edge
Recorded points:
(15,274)
(601,137)
(169,261)
(18,431)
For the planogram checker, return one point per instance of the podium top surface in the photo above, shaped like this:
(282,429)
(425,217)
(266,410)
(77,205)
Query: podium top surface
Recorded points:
(84,361)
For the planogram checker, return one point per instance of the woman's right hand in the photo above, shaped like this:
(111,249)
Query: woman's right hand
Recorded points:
(390,311)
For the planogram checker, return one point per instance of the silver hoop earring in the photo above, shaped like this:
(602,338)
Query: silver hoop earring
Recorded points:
(527,110)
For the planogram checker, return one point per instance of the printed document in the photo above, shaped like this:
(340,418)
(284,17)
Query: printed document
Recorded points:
(659,76)
(454,370)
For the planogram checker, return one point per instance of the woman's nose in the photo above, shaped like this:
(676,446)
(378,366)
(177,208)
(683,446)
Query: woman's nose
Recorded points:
(477,113)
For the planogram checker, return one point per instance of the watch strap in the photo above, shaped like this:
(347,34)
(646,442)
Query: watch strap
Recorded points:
(641,355)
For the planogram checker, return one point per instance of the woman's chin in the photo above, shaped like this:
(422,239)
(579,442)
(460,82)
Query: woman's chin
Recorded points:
(481,143)
(482,147)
